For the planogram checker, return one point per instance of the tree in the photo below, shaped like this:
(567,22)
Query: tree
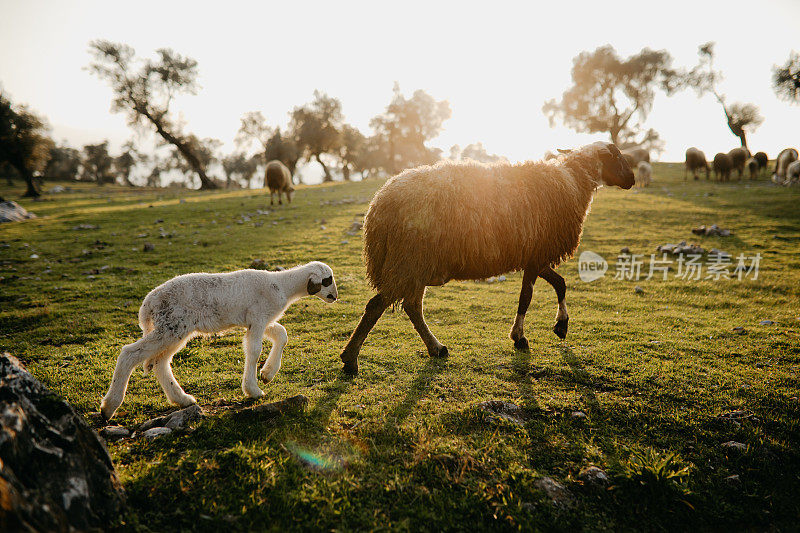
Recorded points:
(352,146)
(238,164)
(407,124)
(64,163)
(613,95)
(372,156)
(204,151)
(317,129)
(145,92)
(477,152)
(125,161)
(254,127)
(97,163)
(786,79)
(24,142)
(741,118)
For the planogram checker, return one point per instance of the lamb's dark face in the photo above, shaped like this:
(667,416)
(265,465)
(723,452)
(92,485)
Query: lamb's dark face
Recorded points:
(616,170)
(322,285)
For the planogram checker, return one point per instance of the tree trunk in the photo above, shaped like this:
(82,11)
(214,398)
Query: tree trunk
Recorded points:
(127,178)
(346,172)
(31,191)
(186,152)
(328,176)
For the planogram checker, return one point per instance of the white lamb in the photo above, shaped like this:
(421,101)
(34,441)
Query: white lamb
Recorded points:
(644,175)
(193,304)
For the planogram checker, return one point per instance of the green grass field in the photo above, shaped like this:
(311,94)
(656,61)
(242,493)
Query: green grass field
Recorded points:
(403,446)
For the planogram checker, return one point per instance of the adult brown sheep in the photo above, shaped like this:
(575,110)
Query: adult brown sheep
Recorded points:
(762,159)
(738,158)
(695,160)
(466,220)
(279,180)
(722,167)
(782,162)
(752,167)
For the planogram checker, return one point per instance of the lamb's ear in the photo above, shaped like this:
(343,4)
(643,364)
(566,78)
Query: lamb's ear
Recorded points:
(313,288)
(563,151)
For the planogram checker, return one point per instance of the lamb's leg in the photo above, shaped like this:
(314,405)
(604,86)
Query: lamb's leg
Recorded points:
(413,308)
(562,319)
(162,368)
(252,342)
(525,294)
(129,358)
(277,334)
(373,311)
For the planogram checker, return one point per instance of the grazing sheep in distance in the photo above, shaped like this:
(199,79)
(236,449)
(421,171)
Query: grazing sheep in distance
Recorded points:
(192,304)
(722,167)
(738,157)
(695,159)
(634,155)
(752,167)
(279,180)
(762,159)
(787,156)
(644,174)
(467,220)
(792,173)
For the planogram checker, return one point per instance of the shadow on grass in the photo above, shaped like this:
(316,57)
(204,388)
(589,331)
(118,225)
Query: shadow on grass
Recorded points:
(420,388)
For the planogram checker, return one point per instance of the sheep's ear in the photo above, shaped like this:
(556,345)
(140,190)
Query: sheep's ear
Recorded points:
(313,288)
(563,151)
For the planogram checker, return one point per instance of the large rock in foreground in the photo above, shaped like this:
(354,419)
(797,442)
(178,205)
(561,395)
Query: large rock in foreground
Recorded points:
(55,473)
(13,212)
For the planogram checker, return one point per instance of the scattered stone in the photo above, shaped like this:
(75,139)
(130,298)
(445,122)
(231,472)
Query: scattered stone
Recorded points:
(578,414)
(638,290)
(559,496)
(81,227)
(259,264)
(279,268)
(34,256)
(766,323)
(294,404)
(736,446)
(159,221)
(115,432)
(56,473)
(510,412)
(739,330)
(57,189)
(593,475)
(733,480)
(154,433)
(174,420)
(712,231)
(625,250)
(501,278)
(148,247)
(681,248)
(355,227)
(13,212)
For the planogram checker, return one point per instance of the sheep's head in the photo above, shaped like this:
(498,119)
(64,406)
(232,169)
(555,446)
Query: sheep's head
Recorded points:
(321,283)
(615,168)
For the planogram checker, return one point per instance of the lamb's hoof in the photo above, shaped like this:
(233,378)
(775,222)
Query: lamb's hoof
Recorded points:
(350,368)
(521,344)
(560,328)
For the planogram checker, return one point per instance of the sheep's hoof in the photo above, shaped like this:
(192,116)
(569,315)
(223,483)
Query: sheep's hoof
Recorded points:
(560,328)
(521,344)
(350,368)
(441,353)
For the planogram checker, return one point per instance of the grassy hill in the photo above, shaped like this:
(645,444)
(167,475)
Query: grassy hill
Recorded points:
(661,376)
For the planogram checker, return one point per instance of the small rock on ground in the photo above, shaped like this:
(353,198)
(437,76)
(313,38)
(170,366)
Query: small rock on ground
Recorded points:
(766,323)
(174,420)
(593,475)
(115,432)
(148,247)
(154,433)
(559,496)
(638,290)
(733,445)
(504,410)
(739,330)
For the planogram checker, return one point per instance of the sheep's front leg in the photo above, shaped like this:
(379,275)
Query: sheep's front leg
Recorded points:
(413,308)
(277,334)
(252,342)
(525,294)
(562,319)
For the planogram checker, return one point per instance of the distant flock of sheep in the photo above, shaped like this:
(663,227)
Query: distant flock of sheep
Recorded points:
(786,171)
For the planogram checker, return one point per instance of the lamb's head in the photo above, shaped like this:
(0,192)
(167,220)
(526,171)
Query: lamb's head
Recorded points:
(615,169)
(320,282)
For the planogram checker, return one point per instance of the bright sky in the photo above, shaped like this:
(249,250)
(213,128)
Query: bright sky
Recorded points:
(495,62)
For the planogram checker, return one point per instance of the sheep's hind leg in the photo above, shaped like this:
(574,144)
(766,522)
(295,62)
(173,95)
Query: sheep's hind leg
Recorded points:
(562,319)
(525,294)
(413,308)
(279,338)
(162,368)
(373,311)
